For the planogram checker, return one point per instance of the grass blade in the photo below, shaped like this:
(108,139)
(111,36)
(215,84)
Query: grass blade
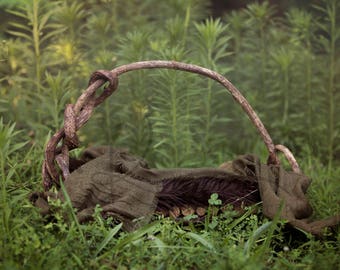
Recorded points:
(108,238)
(201,240)
(256,235)
(73,214)
(136,235)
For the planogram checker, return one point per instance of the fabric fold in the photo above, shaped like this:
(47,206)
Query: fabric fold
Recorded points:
(128,190)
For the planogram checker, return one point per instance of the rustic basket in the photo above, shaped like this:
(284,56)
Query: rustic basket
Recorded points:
(56,162)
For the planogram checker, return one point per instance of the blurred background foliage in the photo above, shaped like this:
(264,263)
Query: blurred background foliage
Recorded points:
(283,58)
(282,55)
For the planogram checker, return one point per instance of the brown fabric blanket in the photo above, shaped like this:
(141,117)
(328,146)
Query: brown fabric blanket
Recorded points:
(127,189)
(279,186)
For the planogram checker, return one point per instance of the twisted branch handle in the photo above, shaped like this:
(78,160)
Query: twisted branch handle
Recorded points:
(75,116)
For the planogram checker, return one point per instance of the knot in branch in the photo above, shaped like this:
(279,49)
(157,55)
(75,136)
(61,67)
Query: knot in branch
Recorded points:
(108,76)
(72,121)
(75,116)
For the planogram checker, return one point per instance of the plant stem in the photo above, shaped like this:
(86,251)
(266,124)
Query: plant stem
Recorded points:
(309,89)
(263,58)
(186,21)
(4,203)
(208,121)
(286,96)
(331,85)
(174,119)
(36,43)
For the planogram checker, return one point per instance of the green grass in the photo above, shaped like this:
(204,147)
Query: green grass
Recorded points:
(226,241)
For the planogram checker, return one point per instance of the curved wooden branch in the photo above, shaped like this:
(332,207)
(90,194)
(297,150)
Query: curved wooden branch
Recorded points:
(217,77)
(289,156)
(77,115)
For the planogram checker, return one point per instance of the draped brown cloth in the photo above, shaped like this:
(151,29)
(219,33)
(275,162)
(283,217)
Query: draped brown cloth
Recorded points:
(128,190)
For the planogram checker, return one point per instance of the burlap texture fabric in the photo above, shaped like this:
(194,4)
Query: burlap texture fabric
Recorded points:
(278,186)
(127,189)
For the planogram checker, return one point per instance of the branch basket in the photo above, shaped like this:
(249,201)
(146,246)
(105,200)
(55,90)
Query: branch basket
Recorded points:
(75,116)
(273,183)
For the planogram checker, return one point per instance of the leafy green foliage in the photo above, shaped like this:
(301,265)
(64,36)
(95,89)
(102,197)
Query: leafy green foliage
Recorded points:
(286,66)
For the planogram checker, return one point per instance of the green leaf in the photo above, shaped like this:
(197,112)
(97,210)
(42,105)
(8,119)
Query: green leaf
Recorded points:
(201,240)
(20,34)
(108,238)
(214,199)
(256,235)
(151,227)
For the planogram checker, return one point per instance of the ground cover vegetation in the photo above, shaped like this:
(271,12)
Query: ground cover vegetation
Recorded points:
(286,65)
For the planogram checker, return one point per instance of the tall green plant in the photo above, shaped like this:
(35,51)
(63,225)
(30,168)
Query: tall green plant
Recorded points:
(329,41)
(137,128)
(37,30)
(170,117)
(60,93)
(7,170)
(260,16)
(72,15)
(284,58)
(272,63)
(302,35)
(13,72)
(211,45)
